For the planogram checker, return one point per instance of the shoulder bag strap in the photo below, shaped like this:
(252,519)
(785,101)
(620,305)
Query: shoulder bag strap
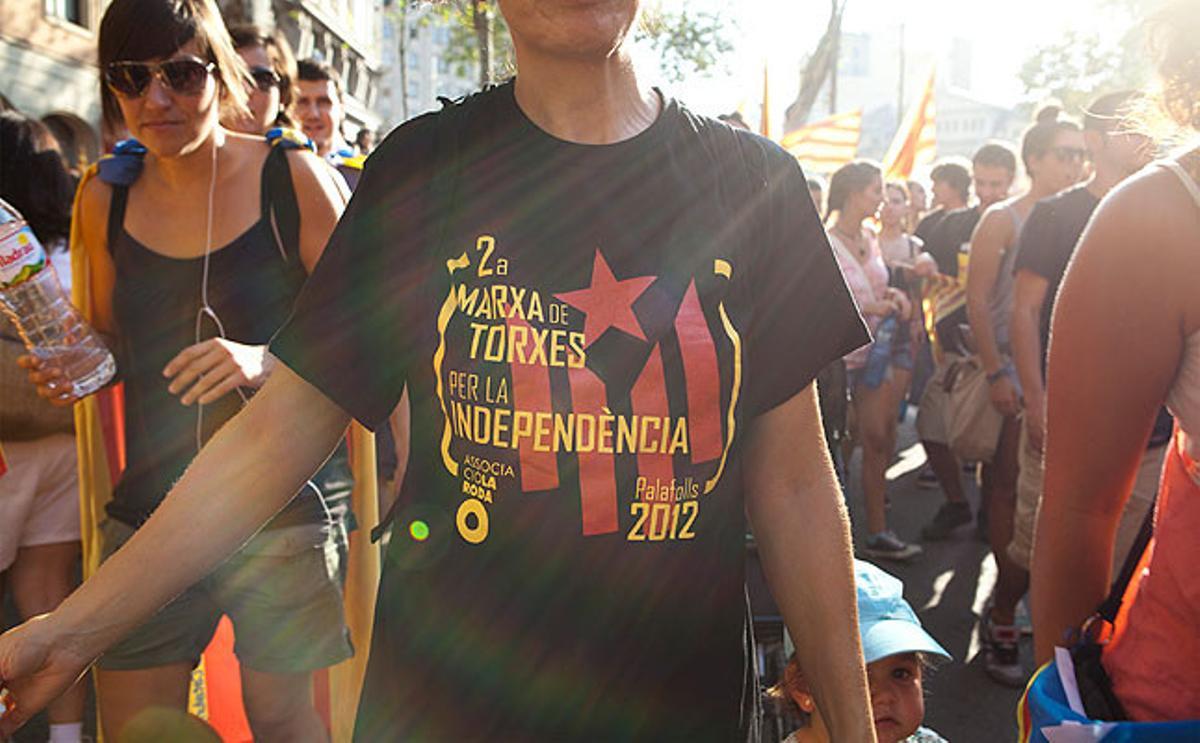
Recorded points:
(1112,605)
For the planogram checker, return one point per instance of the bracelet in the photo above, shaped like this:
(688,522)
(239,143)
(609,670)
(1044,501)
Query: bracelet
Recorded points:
(997,375)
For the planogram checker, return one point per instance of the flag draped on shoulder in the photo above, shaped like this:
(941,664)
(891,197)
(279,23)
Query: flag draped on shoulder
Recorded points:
(826,145)
(916,141)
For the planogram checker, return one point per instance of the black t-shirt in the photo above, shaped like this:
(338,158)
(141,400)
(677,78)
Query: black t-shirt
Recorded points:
(586,339)
(1048,241)
(949,239)
(930,221)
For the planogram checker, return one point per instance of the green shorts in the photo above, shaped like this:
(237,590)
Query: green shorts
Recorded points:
(281,591)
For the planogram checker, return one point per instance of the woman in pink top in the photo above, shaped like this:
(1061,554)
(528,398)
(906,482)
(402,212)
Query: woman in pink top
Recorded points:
(856,194)
(1126,338)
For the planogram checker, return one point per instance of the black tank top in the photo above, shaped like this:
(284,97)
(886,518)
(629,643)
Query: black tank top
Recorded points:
(252,283)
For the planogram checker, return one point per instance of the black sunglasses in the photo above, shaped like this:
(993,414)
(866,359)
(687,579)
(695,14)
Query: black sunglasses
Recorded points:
(186,76)
(265,78)
(1069,154)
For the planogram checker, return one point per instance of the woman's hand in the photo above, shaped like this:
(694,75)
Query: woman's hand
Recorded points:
(925,266)
(1003,394)
(51,382)
(213,368)
(900,302)
(36,667)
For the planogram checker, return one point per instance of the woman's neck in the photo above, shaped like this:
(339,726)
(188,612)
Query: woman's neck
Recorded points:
(1039,189)
(890,231)
(585,101)
(187,171)
(849,225)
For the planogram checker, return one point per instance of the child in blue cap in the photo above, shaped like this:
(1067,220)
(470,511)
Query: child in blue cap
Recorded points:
(896,649)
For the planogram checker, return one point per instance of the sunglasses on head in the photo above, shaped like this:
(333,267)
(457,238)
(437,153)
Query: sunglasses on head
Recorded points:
(186,76)
(265,78)
(1070,154)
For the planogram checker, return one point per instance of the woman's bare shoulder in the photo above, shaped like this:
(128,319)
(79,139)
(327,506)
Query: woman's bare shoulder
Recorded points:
(94,198)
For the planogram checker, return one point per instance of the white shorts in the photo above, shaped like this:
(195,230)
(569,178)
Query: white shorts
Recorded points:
(39,495)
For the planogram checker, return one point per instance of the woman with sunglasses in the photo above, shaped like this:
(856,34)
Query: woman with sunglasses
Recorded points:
(191,274)
(273,69)
(1054,155)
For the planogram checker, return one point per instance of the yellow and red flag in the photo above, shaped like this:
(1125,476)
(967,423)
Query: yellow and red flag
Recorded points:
(3,464)
(916,141)
(826,145)
(764,124)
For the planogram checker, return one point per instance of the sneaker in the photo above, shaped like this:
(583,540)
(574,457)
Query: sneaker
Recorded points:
(1002,652)
(887,546)
(926,480)
(948,518)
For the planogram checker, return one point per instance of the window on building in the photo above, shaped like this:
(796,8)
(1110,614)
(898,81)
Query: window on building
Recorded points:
(73,11)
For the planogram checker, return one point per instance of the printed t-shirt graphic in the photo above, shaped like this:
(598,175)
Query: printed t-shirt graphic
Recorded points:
(504,428)
(585,343)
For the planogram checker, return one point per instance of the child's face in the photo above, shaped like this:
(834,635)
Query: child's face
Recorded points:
(897,700)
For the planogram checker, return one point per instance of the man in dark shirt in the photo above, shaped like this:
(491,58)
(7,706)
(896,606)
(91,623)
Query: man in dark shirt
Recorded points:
(1047,243)
(951,191)
(993,169)
(608,312)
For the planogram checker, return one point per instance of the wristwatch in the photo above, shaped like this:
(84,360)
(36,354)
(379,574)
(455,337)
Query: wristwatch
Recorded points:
(996,376)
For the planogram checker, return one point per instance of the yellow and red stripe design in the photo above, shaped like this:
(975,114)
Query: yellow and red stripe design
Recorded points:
(826,145)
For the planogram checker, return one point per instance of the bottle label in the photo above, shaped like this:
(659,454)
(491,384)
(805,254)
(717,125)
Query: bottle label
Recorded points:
(21,256)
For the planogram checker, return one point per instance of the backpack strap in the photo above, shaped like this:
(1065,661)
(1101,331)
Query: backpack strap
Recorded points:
(116,214)
(120,170)
(280,208)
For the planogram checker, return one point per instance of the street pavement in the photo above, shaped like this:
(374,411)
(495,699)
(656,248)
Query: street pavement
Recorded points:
(947,586)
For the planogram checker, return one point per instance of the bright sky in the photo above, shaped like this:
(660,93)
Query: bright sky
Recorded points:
(782,32)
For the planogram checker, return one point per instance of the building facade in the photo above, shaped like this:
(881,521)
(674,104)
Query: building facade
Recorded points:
(416,65)
(48,69)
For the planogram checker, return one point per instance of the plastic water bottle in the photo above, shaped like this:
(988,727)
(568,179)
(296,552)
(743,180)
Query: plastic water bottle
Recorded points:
(33,299)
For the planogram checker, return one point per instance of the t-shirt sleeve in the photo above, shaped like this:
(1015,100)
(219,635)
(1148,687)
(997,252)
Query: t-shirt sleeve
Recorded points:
(1035,249)
(804,315)
(347,332)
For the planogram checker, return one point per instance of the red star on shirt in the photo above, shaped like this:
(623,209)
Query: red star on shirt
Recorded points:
(608,303)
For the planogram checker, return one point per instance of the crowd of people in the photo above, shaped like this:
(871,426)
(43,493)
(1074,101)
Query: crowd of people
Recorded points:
(615,336)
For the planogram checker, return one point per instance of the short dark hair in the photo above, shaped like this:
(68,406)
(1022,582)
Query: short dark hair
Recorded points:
(315,70)
(137,30)
(283,61)
(33,177)
(995,155)
(1040,136)
(955,175)
(1110,111)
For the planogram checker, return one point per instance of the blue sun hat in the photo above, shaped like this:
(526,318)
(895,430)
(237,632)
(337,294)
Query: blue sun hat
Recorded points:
(886,623)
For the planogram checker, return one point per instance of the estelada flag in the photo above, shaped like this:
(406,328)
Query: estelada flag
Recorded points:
(916,141)
(764,123)
(826,145)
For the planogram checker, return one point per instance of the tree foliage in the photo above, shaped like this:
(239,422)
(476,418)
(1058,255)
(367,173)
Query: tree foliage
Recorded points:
(687,41)
(1084,64)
